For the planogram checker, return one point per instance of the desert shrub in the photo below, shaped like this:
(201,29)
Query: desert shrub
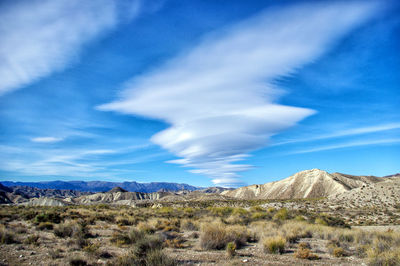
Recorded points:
(320,221)
(361,251)
(188,210)
(220,211)
(188,225)
(271,209)
(257,209)
(146,227)
(293,231)
(157,258)
(262,229)
(18,228)
(174,243)
(167,225)
(123,220)
(231,249)
(346,237)
(239,211)
(304,245)
(216,235)
(305,253)
(64,230)
(274,245)
(50,216)
(259,215)
(120,238)
(338,252)
(32,239)
(325,219)
(299,218)
(45,226)
(145,246)
(91,248)
(386,258)
(55,253)
(28,214)
(282,214)
(81,241)
(213,236)
(153,258)
(332,245)
(7,237)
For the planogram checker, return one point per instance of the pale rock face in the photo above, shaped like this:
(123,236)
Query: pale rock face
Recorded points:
(385,193)
(313,183)
(43,201)
(123,198)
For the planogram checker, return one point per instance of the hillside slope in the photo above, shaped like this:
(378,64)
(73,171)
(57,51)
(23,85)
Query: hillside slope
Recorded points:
(382,194)
(313,183)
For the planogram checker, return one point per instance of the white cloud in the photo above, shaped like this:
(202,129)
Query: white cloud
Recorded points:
(345,133)
(46,139)
(68,162)
(348,144)
(39,37)
(220,97)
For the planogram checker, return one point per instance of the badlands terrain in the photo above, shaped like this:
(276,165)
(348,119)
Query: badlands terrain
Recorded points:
(310,218)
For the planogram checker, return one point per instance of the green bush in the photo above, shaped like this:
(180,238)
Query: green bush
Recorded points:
(231,249)
(52,217)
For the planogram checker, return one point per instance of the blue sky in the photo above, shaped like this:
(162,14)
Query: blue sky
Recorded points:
(198,92)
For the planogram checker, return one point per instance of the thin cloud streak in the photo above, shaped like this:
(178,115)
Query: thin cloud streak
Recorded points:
(65,162)
(46,139)
(220,97)
(344,133)
(41,37)
(347,145)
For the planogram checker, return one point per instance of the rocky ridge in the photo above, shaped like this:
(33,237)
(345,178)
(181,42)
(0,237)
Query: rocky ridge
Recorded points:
(313,183)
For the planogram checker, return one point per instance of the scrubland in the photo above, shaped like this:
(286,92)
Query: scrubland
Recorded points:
(200,234)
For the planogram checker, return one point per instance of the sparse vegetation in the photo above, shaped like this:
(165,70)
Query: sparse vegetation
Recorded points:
(162,235)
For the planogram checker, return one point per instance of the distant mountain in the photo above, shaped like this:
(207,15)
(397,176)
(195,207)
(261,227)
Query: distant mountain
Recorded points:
(102,186)
(313,183)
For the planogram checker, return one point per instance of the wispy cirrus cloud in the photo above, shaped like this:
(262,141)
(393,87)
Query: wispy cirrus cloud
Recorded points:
(220,98)
(41,37)
(344,133)
(69,162)
(348,144)
(46,139)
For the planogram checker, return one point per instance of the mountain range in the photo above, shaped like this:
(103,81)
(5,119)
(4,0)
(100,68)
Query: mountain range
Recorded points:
(336,188)
(102,186)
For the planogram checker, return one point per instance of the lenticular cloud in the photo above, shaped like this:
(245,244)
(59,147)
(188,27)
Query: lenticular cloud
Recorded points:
(220,98)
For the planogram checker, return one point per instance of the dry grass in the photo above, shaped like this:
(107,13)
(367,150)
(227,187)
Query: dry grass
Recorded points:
(274,245)
(136,236)
(217,235)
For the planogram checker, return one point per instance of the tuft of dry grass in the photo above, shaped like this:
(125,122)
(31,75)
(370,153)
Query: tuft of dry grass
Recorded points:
(216,235)
(274,245)
(6,237)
